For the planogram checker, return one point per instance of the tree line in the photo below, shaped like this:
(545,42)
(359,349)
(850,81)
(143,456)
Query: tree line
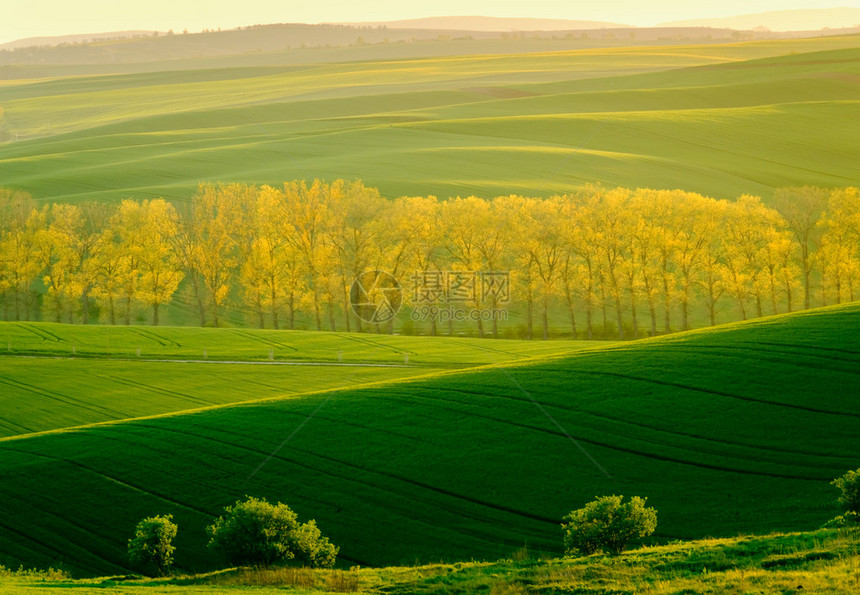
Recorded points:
(639,259)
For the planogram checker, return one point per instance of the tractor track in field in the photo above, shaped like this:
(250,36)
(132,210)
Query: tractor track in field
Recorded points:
(39,332)
(618,420)
(376,345)
(796,346)
(156,337)
(111,479)
(639,453)
(265,341)
(406,480)
(59,397)
(714,392)
(339,478)
(761,354)
(44,547)
(84,530)
(154,389)
(12,425)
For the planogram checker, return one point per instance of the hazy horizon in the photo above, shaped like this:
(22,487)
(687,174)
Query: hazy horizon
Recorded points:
(26,18)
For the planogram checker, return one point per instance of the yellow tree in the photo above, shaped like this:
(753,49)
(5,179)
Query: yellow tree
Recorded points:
(56,245)
(214,210)
(664,208)
(645,250)
(150,270)
(580,239)
(424,254)
(778,260)
(747,223)
(73,241)
(461,218)
(21,225)
(107,267)
(355,233)
(712,272)
(607,221)
(271,272)
(690,241)
(801,207)
(541,239)
(305,228)
(839,254)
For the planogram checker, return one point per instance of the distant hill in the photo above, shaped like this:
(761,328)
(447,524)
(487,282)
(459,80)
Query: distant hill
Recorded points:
(29,42)
(782,20)
(479,23)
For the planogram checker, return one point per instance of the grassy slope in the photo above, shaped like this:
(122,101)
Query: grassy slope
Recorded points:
(818,562)
(106,380)
(737,429)
(454,125)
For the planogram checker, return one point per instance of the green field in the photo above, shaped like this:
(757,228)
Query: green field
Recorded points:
(717,119)
(85,374)
(730,430)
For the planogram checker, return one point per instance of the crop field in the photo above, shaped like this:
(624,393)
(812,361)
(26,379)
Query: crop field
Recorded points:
(737,429)
(55,376)
(718,119)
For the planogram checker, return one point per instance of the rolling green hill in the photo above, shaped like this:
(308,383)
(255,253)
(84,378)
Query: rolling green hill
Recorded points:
(718,119)
(726,430)
(55,376)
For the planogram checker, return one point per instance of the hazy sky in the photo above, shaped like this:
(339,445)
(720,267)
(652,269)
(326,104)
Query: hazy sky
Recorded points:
(30,18)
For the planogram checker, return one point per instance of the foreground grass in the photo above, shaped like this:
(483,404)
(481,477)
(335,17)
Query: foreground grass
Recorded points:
(823,561)
(738,428)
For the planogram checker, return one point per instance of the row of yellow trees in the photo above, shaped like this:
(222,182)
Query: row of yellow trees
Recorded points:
(639,256)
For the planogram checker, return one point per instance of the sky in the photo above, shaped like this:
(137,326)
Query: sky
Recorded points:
(34,18)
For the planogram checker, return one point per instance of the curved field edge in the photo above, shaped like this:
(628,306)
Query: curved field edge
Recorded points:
(821,561)
(737,429)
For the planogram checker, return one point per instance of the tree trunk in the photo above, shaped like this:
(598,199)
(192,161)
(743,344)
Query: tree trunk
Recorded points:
(712,307)
(667,327)
(635,317)
(545,318)
(529,318)
(155,314)
(346,309)
(292,305)
(572,315)
(274,309)
(85,307)
(685,312)
(804,250)
(619,316)
(331,323)
(494,304)
(589,328)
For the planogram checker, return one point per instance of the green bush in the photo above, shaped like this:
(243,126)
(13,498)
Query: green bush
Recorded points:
(849,486)
(607,524)
(152,544)
(849,520)
(255,532)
